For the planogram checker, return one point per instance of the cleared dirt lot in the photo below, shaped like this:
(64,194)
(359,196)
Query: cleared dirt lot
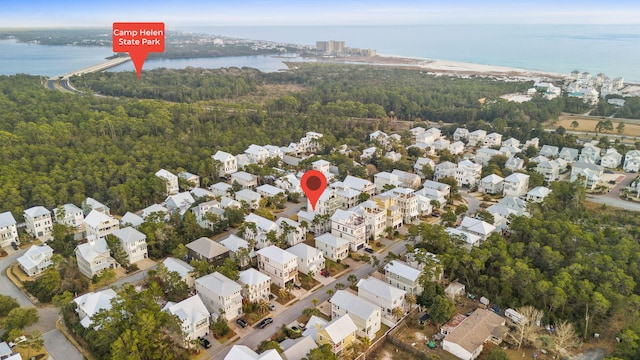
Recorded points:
(588,123)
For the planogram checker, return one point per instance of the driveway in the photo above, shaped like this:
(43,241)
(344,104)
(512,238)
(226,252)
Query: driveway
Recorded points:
(473,204)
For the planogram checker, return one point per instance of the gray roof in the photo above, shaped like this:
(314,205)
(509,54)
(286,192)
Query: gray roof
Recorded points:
(37,211)
(207,247)
(219,284)
(129,235)
(6,219)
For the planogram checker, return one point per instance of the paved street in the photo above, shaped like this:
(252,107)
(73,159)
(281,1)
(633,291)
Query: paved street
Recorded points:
(612,197)
(59,347)
(6,286)
(473,204)
(294,311)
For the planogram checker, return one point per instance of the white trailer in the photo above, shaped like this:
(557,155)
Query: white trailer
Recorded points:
(514,316)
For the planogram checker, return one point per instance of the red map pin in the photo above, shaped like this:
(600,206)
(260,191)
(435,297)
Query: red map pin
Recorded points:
(138,39)
(313,183)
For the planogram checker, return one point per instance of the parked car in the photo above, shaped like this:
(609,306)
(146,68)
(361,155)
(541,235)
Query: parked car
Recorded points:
(242,322)
(15,246)
(324,273)
(272,306)
(265,322)
(204,342)
(295,329)
(369,250)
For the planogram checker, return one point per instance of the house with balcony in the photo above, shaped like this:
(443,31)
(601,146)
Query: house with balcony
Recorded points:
(8,230)
(538,194)
(589,173)
(133,242)
(332,247)
(91,303)
(514,163)
(208,213)
(257,154)
(549,151)
(179,203)
(461,134)
(310,260)
(94,256)
(493,139)
(69,215)
(632,161)
(366,315)
(477,138)
(407,201)
(218,292)
(441,144)
(477,227)
(250,197)
(347,196)
(239,250)
(383,179)
(387,202)
(170,180)
(362,185)
(293,232)
(221,189)
(100,225)
(402,276)
(420,163)
(351,227)
(456,148)
(483,155)
(444,169)
(280,265)
(256,286)
(379,136)
(192,181)
(246,180)
(257,228)
(339,333)
(182,268)
(569,154)
(516,184)
(611,159)
(193,315)
(385,296)
(38,222)
(549,169)
(468,173)
(407,179)
(289,183)
(491,184)
(590,154)
(205,249)
(374,217)
(35,260)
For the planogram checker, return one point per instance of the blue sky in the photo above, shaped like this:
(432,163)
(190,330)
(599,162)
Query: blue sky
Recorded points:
(75,13)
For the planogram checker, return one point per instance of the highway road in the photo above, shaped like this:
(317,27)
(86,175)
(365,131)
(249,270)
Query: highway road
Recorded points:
(290,315)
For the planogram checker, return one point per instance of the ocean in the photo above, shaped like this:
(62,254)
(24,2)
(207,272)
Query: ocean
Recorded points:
(610,49)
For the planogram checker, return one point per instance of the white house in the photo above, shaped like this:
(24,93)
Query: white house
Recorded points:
(380,136)
(468,173)
(477,227)
(441,144)
(280,265)
(550,170)
(362,185)
(297,349)
(133,242)
(93,204)
(192,179)
(171,181)
(246,180)
(569,154)
(467,239)
(378,292)
(268,191)
(180,202)
(477,137)
(407,179)
(100,225)
(129,219)
(385,178)
(491,184)
(590,173)
(460,134)
(89,304)
(258,232)
(289,183)
(632,161)
(433,195)
(467,340)
(456,148)
(250,197)
(368,153)
(420,163)
(193,315)
(239,250)
(444,169)
(483,155)
(549,151)
(256,286)
(256,154)
(199,193)
(219,292)
(94,256)
(538,193)
(36,259)
(332,247)
(38,221)
(241,352)
(310,259)
(404,277)
(374,218)
(366,315)
(182,268)
(516,184)
(208,213)
(221,189)
(69,215)
(514,163)
(407,201)
(351,227)
(347,196)
(611,159)
(493,139)
(590,153)
(161,211)
(294,233)
(274,152)
(8,229)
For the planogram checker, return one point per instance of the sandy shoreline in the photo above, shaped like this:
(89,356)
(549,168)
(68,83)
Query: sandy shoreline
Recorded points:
(451,68)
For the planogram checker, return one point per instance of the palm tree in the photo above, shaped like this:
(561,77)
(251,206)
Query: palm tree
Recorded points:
(397,312)
(574,124)
(310,312)
(262,306)
(340,286)
(411,300)
(283,294)
(315,301)
(352,279)
(34,342)
(330,292)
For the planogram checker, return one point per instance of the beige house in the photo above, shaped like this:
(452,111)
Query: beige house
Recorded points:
(366,315)
(467,340)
